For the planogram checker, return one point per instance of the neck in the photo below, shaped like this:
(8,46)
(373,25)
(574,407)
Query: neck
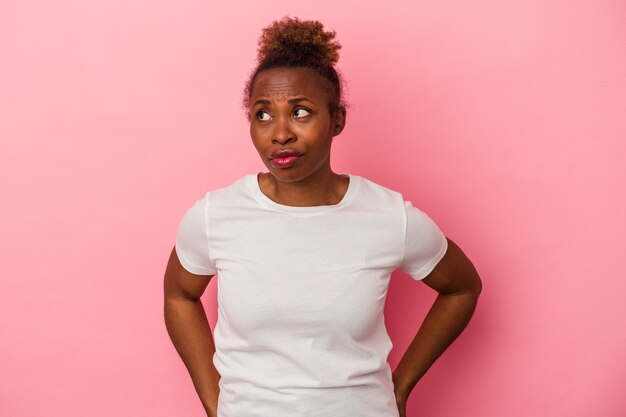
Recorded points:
(322,189)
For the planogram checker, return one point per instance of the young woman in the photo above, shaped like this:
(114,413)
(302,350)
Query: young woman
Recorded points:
(304,256)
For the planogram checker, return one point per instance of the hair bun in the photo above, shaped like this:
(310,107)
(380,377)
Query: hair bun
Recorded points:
(292,36)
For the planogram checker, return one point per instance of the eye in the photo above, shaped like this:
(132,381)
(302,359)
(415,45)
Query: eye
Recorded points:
(263,115)
(301,112)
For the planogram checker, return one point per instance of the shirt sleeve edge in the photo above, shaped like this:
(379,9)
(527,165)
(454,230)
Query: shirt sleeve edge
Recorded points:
(191,267)
(425,270)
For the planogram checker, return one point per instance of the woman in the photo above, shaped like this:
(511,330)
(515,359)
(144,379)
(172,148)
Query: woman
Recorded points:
(304,257)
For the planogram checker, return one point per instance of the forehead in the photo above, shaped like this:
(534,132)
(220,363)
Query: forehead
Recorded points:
(280,84)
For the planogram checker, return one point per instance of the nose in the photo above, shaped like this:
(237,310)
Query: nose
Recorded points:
(282,133)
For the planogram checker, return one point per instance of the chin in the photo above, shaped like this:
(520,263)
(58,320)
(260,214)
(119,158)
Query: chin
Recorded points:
(287,175)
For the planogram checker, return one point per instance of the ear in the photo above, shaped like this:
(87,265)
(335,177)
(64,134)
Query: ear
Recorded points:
(339,120)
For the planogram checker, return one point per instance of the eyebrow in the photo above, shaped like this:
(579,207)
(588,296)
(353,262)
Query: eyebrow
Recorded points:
(290,101)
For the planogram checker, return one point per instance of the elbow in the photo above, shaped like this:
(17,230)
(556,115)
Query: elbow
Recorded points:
(473,281)
(471,289)
(476,288)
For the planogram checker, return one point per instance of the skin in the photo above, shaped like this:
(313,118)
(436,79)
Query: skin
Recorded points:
(290,109)
(189,329)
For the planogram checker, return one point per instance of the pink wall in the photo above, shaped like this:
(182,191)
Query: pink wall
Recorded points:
(504,120)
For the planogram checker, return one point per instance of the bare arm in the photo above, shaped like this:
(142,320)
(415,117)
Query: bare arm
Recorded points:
(189,329)
(458,285)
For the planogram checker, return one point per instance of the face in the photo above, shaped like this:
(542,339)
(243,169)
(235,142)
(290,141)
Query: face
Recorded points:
(290,113)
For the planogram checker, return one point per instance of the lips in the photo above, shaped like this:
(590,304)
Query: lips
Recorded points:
(284,158)
(284,153)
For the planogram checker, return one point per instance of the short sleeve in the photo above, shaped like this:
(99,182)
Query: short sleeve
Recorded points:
(424,243)
(192,240)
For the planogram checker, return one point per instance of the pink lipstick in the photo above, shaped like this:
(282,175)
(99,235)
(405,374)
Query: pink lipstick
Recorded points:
(284,158)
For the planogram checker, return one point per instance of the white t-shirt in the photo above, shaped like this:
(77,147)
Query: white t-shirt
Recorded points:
(301,291)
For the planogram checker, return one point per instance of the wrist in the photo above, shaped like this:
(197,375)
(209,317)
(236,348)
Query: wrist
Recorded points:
(211,408)
(210,412)
(401,388)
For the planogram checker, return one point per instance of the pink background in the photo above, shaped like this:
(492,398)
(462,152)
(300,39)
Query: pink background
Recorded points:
(503,120)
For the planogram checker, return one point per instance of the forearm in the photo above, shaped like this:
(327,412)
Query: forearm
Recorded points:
(445,320)
(190,332)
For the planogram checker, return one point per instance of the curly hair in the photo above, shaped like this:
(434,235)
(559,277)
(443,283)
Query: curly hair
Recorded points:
(292,43)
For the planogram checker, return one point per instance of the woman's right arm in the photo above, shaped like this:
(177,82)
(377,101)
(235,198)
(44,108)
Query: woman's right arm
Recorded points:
(189,329)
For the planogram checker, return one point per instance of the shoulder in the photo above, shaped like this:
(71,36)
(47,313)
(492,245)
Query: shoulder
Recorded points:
(374,189)
(234,187)
(217,194)
(196,214)
(240,186)
(391,194)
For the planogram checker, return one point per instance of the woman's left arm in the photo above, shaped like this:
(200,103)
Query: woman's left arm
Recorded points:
(458,285)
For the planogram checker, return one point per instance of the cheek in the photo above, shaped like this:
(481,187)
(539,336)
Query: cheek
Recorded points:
(324,129)
(255,135)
